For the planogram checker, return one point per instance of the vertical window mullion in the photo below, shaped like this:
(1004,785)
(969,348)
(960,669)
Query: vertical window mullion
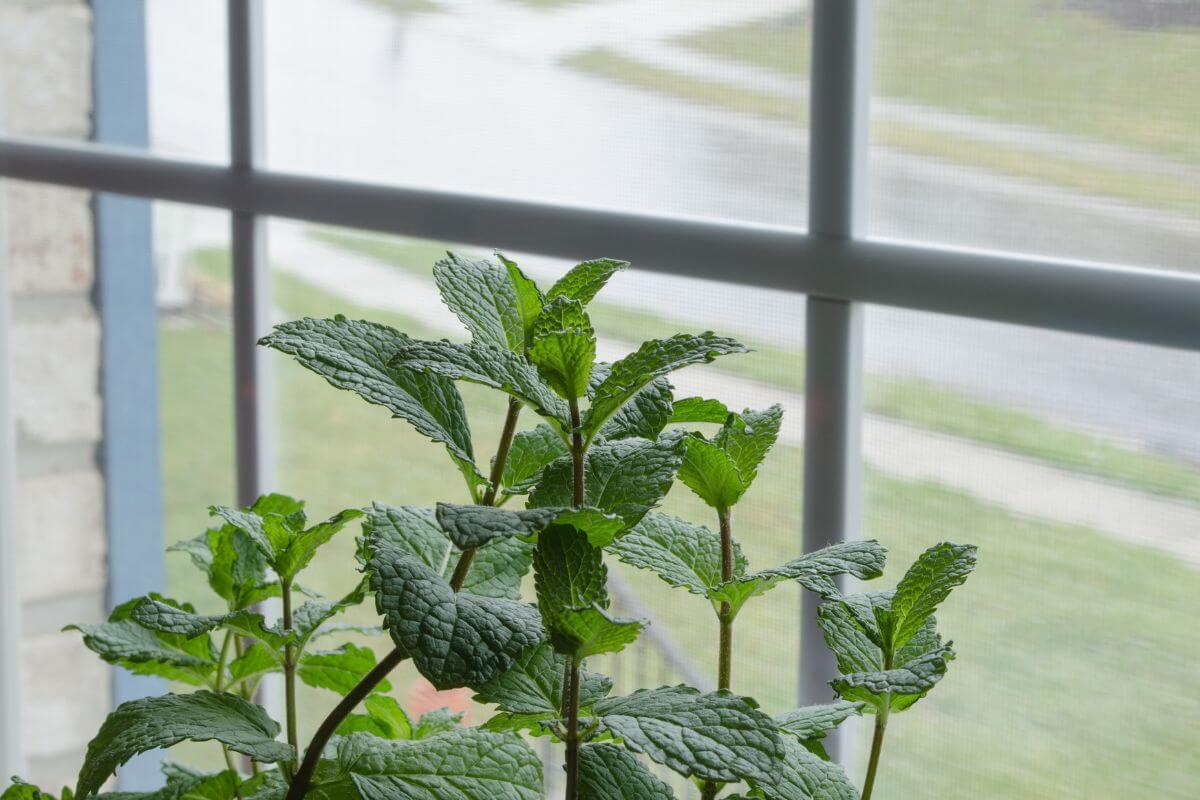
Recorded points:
(834,328)
(251,278)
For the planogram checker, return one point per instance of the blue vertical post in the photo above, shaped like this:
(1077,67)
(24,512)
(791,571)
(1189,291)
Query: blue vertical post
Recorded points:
(125,297)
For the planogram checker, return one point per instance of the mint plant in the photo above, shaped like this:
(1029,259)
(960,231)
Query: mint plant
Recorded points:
(607,443)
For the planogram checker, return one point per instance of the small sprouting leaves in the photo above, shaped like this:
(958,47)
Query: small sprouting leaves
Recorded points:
(563,347)
(529,299)
(453,639)
(460,765)
(484,298)
(722,468)
(141,725)
(653,359)
(356,355)
(627,478)
(810,724)
(531,452)
(384,718)
(489,366)
(699,409)
(899,687)
(717,736)
(276,526)
(927,584)
(608,772)
(646,413)
(584,280)
(571,582)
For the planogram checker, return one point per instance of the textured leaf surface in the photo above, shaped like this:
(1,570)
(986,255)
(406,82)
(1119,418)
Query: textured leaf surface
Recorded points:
(683,554)
(801,775)
(717,736)
(453,639)
(124,642)
(813,722)
(711,473)
(338,670)
(563,347)
(699,409)
(463,765)
(355,355)
(141,725)
(530,300)
(627,478)
(585,279)
(607,772)
(572,590)
(925,586)
(644,416)
(846,631)
(531,452)
(384,718)
(483,297)
(475,525)
(488,366)
(898,687)
(653,359)
(534,684)
(299,551)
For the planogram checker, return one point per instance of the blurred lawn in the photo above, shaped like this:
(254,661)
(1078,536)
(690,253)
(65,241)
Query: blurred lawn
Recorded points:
(1077,672)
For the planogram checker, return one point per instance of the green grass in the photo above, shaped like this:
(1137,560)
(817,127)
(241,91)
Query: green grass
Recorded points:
(1166,192)
(1029,62)
(1076,675)
(916,402)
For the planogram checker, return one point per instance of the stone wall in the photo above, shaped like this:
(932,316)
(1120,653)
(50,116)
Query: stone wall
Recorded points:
(54,337)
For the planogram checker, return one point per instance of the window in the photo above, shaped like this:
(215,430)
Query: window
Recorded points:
(993,324)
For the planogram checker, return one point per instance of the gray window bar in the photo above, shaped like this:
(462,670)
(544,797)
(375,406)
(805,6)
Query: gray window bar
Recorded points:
(834,325)
(249,262)
(1150,306)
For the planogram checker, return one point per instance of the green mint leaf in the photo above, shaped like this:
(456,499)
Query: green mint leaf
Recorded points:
(529,300)
(926,585)
(126,643)
(572,590)
(236,569)
(531,452)
(384,718)
(683,554)
(627,478)
(584,280)
(438,721)
(187,785)
(461,765)
(496,572)
(748,437)
(717,736)
(652,360)
(814,571)
(563,347)
(149,723)
(252,665)
(608,772)
(453,639)
(252,526)
(488,366)
(813,722)
(711,473)
(699,409)
(355,355)
(20,790)
(483,297)
(310,619)
(533,685)
(303,546)
(802,775)
(338,670)
(475,525)
(899,687)
(849,629)
(646,413)
(169,616)
(600,527)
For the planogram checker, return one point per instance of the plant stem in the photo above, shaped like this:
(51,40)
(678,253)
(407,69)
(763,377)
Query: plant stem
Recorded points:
(572,739)
(506,438)
(881,720)
(219,687)
(289,670)
(312,756)
(577,495)
(725,618)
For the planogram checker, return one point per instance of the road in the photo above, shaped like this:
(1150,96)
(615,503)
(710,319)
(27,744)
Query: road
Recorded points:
(481,102)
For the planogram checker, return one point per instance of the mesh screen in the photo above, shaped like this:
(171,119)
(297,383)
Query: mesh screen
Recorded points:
(1074,464)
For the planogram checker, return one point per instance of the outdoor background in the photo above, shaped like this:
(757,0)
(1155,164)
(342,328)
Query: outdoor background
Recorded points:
(1056,127)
